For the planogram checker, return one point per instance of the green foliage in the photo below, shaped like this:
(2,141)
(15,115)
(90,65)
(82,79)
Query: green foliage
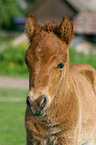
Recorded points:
(8,9)
(76,57)
(12,60)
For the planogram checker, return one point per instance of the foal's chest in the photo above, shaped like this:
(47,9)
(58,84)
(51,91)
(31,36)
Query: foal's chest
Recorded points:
(41,131)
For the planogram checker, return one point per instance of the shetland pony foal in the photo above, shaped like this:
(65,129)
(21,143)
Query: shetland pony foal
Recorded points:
(61,105)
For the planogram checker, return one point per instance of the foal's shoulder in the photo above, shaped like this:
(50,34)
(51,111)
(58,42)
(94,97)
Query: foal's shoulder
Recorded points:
(86,71)
(81,68)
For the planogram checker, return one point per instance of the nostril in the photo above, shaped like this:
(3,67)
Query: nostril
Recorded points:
(41,102)
(36,106)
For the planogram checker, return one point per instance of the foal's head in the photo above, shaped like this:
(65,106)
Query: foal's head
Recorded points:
(47,61)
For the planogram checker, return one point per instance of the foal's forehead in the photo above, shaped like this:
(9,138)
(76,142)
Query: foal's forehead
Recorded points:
(53,43)
(47,44)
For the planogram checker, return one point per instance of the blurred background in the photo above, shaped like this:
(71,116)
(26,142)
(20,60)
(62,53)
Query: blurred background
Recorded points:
(14,43)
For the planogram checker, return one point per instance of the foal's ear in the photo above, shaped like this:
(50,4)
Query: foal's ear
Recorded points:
(32,27)
(66,30)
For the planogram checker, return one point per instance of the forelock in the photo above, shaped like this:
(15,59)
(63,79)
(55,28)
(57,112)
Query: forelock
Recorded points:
(51,26)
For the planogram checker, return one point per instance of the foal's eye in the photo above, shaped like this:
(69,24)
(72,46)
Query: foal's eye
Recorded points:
(60,65)
(26,61)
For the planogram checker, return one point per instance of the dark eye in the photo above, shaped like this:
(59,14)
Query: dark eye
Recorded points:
(60,65)
(26,61)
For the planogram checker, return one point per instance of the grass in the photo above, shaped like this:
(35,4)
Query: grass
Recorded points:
(12,128)
(14,93)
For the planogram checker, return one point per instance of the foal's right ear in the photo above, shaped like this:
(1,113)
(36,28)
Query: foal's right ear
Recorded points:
(32,27)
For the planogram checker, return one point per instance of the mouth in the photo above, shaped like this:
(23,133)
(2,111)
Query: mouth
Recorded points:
(37,107)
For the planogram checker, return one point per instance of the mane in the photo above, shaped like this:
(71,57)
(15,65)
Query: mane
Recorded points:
(51,26)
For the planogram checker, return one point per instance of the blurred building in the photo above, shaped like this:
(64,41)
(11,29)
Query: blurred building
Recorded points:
(46,9)
(81,12)
(55,9)
(84,24)
(83,5)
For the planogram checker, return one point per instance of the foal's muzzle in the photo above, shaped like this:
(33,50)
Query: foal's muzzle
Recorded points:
(37,107)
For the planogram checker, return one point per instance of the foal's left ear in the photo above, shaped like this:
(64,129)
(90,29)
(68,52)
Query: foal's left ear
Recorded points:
(66,30)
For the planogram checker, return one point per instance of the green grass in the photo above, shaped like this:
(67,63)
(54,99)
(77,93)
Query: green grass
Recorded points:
(14,93)
(12,128)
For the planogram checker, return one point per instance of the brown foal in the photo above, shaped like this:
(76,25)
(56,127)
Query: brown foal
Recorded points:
(61,104)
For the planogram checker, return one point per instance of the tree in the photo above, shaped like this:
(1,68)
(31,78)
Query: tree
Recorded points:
(8,9)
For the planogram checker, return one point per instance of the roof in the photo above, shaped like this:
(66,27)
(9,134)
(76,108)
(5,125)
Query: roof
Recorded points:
(85,23)
(53,9)
(83,5)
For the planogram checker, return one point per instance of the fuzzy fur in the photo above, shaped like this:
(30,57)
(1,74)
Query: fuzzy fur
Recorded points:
(70,116)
